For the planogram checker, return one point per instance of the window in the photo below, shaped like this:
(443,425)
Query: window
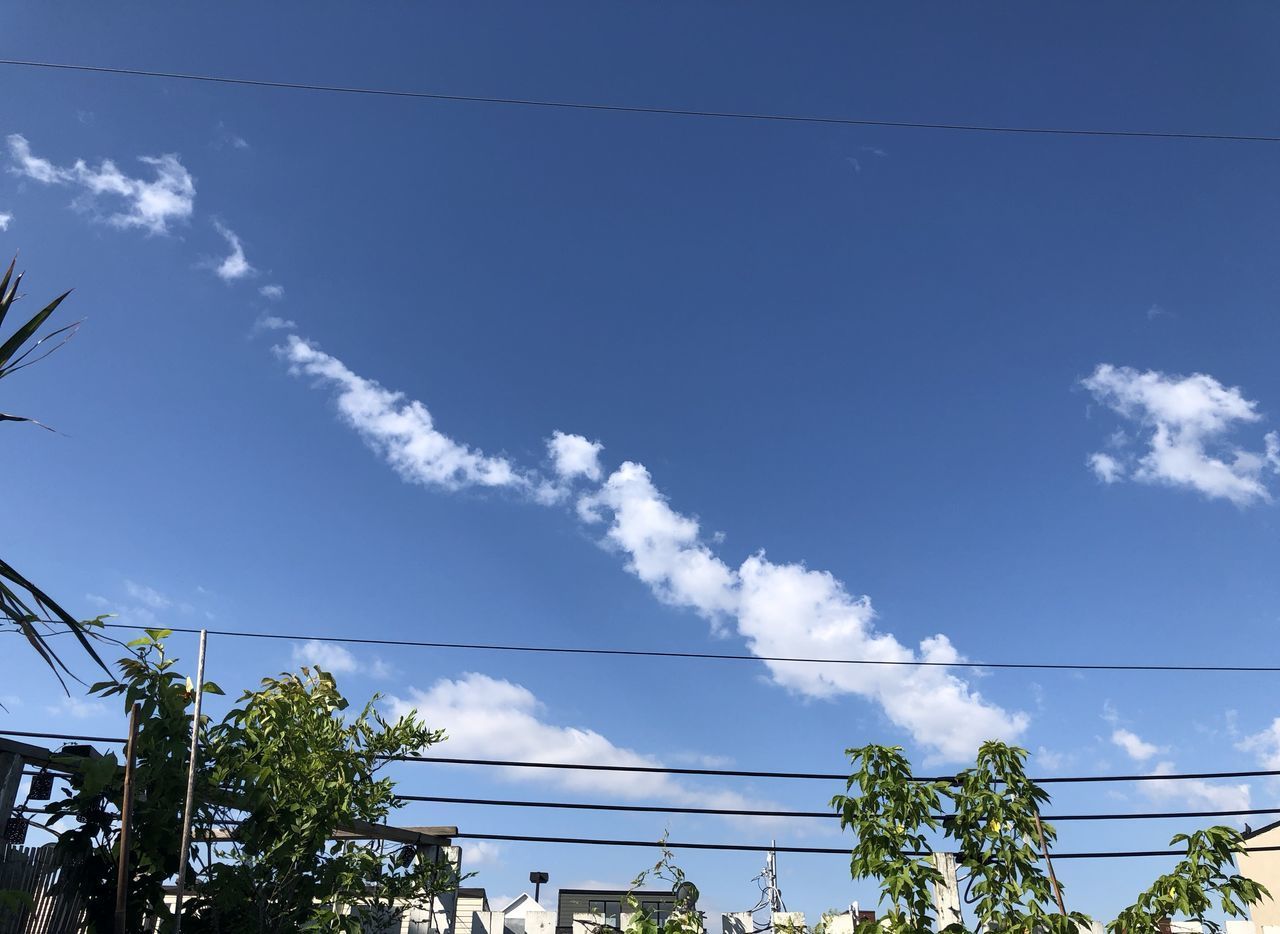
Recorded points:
(609,908)
(655,911)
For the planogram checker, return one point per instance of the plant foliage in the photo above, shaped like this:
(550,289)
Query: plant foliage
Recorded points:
(24,607)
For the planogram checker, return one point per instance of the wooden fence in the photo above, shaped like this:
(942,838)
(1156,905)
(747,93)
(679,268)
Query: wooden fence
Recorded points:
(35,871)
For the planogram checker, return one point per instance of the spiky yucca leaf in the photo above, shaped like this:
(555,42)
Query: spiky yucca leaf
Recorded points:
(28,608)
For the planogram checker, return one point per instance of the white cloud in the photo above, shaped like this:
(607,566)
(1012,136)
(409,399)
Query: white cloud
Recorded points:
(1196,793)
(337,659)
(790,610)
(273,323)
(5,220)
(332,658)
(780,609)
(32,166)
(663,548)
(1106,468)
(1266,744)
(235,265)
(574,456)
(482,853)
(77,708)
(487,717)
(1049,759)
(272,291)
(1187,419)
(1135,746)
(402,432)
(147,596)
(148,204)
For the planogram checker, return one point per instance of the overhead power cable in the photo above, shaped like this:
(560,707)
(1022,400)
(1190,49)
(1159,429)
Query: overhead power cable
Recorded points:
(830,815)
(718,656)
(769,848)
(653,111)
(820,776)
(723,773)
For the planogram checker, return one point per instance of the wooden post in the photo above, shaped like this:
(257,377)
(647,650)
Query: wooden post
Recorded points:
(1053,879)
(126,820)
(946,892)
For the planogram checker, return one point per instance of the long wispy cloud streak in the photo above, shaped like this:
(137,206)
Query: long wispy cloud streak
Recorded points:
(777,608)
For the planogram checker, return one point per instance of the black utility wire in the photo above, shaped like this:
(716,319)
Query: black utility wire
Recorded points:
(823,776)
(831,815)
(834,851)
(724,773)
(719,656)
(661,111)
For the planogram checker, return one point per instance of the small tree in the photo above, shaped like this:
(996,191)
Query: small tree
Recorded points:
(293,772)
(685,918)
(1191,888)
(892,816)
(97,791)
(996,825)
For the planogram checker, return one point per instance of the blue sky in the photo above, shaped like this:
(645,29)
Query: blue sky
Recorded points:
(955,373)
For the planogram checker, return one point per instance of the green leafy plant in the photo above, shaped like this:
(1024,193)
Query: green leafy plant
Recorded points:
(24,607)
(96,792)
(684,918)
(996,825)
(1000,841)
(892,815)
(1200,878)
(293,771)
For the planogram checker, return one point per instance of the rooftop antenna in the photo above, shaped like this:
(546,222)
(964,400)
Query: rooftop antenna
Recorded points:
(771,878)
(770,893)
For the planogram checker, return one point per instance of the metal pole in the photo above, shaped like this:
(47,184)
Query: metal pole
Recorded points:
(1057,891)
(126,820)
(185,852)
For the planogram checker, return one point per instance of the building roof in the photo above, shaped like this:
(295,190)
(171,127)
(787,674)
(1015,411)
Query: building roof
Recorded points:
(647,893)
(1250,833)
(520,904)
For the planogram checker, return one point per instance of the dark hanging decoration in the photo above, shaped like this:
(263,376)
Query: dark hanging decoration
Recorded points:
(41,787)
(15,831)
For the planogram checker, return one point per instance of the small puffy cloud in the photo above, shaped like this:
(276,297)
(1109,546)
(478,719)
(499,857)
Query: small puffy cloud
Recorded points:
(78,708)
(401,431)
(1134,746)
(1265,744)
(272,291)
(235,265)
(574,456)
(482,853)
(326,655)
(1196,793)
(26,164)
(5,220)
(1186,422)
(148,596)
(336,659)
(273,323)
(1106,468)
(150,204)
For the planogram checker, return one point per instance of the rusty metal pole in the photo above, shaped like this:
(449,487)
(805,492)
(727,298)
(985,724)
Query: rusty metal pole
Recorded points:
(126,820)
(1053,879)
(184,853)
